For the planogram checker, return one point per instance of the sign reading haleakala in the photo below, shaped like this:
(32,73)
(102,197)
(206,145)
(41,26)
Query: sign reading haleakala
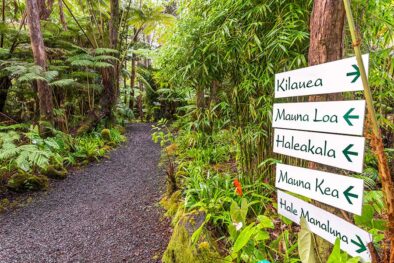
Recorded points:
(340,191)
(337,76)
(345,117)
(346,152)
(354,240)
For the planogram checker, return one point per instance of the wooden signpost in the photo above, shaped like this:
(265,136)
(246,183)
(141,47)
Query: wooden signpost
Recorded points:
(354,240)
(346,152)
(345,117)
(314,131)
(337,76)
(336,190)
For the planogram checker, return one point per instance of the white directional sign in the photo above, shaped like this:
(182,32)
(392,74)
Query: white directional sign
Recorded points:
(341,151)
(346,117)
(336,190)
(354,240)
(338,76)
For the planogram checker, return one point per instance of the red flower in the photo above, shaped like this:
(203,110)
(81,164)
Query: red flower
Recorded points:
(238,187)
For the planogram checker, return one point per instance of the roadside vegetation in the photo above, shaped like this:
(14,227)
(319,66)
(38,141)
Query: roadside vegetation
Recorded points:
(72,74)
(220,64)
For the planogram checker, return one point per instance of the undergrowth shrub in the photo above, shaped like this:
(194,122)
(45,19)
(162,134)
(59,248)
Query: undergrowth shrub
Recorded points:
(26,159)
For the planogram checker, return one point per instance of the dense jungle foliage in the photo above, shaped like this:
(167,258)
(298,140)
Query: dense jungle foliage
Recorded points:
(220,61)
(74,72)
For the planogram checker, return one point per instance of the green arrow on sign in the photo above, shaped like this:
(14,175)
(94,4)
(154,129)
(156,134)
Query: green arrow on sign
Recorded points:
(354,73)
(347,116)
(360,244)
(346,152)
(347,194)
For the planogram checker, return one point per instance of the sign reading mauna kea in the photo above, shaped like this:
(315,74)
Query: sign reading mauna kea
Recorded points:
(354,240)
(345,117)
(336,190)
(337,76)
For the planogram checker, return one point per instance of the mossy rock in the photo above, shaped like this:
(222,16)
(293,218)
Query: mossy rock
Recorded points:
(121,129)
(106,134)
(56,173)
(181,249)
(26,182)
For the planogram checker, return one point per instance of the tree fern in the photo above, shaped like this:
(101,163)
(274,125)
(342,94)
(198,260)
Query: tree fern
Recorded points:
(64,83)
(102,65)
(102,51)
(82,63)
(105,57)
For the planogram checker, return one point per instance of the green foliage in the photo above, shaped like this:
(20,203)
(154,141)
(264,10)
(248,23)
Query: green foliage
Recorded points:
(306,244)
(26,182)
(30,157)
(338,257)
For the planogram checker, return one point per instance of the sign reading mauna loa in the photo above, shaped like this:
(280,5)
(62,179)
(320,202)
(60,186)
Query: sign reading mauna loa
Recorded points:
(345,117)
(338,76)
(330,227)
(346,152)
(336,190)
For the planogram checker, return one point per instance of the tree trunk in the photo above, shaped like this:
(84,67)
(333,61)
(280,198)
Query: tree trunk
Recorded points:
(110,76)
(61,15)
(40,58)
(132,81)
(200,98)
(133,70)
(5,84)
(45,8)
(213,93)
(3,20)
(326,44)
(140,101)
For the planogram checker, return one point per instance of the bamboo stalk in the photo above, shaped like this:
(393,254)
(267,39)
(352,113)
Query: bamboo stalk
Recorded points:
(376,137)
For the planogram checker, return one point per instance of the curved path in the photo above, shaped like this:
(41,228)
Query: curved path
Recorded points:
(105,212)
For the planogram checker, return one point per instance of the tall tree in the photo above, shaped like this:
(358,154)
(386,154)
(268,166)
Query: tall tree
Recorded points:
(110,76)
(40,58)
(61,15)
(326,44)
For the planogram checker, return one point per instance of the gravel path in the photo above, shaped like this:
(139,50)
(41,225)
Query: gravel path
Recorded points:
(106,212)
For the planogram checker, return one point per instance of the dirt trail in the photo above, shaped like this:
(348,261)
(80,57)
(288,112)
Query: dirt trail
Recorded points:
(106,212)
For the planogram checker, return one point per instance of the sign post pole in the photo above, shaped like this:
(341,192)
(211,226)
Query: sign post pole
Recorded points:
(376,140)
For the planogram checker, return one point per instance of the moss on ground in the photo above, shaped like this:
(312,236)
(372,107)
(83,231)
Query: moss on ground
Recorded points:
(21,182)
(56,172)
(181,249)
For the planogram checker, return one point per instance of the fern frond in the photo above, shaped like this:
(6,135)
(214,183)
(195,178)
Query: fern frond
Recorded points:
(105,57)
(28,77)
(101,51)
(84,74)
(64,83)
(83,56)
(50,75)
(82,63)
(102,65)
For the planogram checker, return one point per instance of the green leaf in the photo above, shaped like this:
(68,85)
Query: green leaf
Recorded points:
(243,238)
(335,256)
(366,217)
(244,209)
(265,222)
(63,83)
(306,246)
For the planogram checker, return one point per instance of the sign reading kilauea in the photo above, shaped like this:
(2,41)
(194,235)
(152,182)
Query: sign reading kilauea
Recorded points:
(338,76)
